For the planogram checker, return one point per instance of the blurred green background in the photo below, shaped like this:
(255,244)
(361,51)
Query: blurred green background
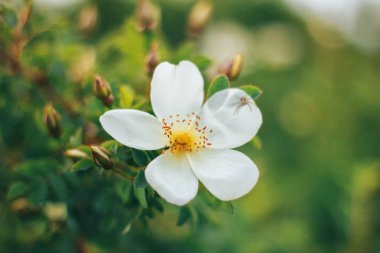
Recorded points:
(318,65)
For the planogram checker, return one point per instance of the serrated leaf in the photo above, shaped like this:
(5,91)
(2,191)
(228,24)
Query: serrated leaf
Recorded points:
(82,165)
(18,189)
(219,83)
(184,216)
(253,91)
(140,157)
(140,181)
(126,96)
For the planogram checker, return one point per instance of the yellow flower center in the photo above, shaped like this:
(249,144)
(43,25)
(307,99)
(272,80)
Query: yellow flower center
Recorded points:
(185,133)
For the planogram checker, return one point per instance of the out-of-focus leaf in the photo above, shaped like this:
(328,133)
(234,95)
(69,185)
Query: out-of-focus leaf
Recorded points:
(140,157)
(219,83)
(184,216)
(82,165)
(202,62)
(59,186)
(256,142)
(126,96)
(110,145)
(18,189)
(123,189)
(253,91)
(39,191)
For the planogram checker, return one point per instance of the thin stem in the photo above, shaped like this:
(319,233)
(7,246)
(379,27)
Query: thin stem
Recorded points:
(125,175)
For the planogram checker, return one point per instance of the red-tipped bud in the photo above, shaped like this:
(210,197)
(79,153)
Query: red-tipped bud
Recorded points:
(147,16)
(52,120)
(152,59)
(101,157)
(102,90)
(199,17)
(233,68)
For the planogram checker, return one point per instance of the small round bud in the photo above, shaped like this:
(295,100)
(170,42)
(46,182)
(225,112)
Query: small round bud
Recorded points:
(101,87)
(101,157)
(152,59)
(102,90)
(52,120)
(233,68)
(147,16)
(199,17)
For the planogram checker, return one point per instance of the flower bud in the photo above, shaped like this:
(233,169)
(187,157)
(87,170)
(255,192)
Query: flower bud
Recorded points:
(102,90)
(147,16)
(101,157)
(52,120)
(75,153)
(152,59)
(232,68)
(198,19)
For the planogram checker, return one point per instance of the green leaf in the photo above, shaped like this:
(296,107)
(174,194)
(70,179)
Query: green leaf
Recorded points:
(123,189)
(141,197)
(184,216)
(140,157)
(202,62)
(110,145)
(18,189)
(219,83)
(82,165)
(253,91)
(140,181)
(39,191)
(126,96)
(256,142)
(139,187)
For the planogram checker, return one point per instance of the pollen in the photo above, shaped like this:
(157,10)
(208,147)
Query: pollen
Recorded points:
(185,134)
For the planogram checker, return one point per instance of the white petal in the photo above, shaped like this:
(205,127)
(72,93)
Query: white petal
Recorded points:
(232,124)
(171,176)
(176,89)
(134,128)
(228,174)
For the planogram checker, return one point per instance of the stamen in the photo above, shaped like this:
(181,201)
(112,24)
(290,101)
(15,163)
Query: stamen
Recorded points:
(184,134)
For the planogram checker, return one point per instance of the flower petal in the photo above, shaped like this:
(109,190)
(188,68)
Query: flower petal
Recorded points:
(171,176)
(228,174)
(134,128)
(176,89)
(232,122)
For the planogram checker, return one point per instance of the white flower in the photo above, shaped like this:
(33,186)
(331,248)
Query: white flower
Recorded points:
(197,140)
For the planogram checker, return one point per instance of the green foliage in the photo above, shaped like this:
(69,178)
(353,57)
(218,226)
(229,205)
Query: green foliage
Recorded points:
(219,83)
(253,91)
(140,157)
(184,216)
(83,164)
(318,189)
